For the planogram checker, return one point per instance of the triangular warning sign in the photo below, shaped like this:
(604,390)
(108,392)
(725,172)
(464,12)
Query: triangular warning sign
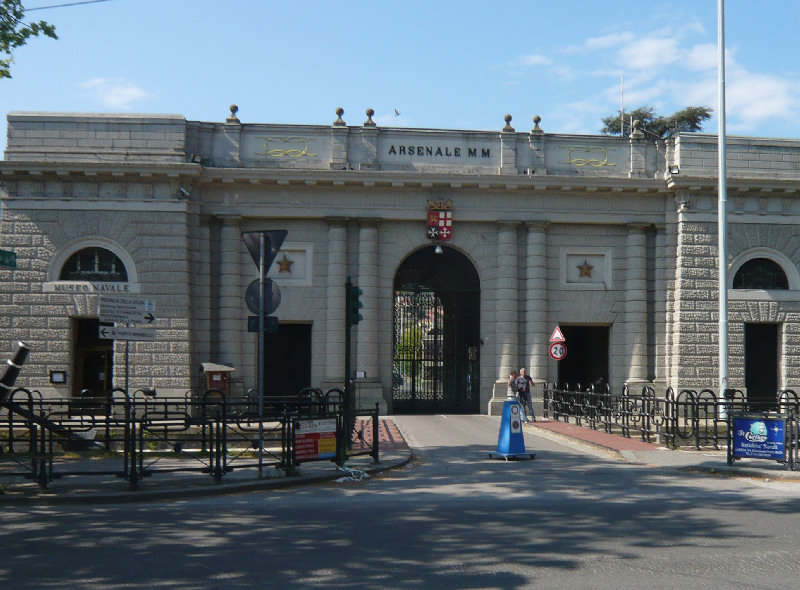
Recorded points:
(557,336)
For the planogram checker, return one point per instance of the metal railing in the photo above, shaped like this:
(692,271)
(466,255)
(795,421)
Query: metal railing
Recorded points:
(689,418)
(211,432)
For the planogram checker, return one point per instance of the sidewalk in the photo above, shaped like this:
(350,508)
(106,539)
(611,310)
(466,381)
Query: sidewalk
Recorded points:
(95,481)
(634,450)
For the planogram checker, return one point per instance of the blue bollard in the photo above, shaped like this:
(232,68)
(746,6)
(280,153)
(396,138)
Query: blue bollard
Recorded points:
(510,441)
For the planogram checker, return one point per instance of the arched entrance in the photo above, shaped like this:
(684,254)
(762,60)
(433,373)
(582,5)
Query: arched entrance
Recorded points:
(436,337)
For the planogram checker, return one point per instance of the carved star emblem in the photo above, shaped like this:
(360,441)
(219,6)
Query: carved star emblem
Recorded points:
(285,265)
(585,270)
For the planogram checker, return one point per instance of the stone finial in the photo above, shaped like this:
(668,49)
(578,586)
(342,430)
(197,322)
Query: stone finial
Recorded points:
(637,132)
(369,122)
(233,118)
(508,126)
(339,121)
(536,120)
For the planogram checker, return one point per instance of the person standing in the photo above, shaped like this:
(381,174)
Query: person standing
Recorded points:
(523,386)
(512,384)
(513,392)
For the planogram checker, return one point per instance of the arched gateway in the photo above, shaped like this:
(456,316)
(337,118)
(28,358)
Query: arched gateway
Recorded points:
(436,336)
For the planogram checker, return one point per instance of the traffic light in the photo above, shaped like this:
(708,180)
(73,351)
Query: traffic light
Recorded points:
(353,303)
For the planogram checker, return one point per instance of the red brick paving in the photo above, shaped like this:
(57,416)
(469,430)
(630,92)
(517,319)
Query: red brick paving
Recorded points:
(389,437)
(596,437)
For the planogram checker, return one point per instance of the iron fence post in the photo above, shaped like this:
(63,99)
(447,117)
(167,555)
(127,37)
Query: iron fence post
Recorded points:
(376,435)
(134,467)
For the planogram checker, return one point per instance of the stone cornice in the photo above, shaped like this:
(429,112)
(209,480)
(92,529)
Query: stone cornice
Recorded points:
(39,170)
(427,180)
(753,184)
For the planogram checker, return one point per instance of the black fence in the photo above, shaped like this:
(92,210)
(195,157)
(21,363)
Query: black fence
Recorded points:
(212,433)
(692,418)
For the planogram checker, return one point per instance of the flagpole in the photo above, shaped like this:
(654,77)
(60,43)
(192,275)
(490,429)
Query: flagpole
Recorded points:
(722,208)
(622,107)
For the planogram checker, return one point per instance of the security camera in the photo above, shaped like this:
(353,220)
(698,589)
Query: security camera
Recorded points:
(184,193)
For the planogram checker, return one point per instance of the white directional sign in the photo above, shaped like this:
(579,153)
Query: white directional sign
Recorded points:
(124,308)
(126,333)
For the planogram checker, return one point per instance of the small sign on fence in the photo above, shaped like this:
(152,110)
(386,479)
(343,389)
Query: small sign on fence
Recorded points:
(758,437)
(315,439)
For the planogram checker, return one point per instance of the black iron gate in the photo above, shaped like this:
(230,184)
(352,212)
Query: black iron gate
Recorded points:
(432,368)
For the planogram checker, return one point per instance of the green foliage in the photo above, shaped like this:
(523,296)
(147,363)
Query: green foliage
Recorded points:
(15,33)
(686,120)
(410,347)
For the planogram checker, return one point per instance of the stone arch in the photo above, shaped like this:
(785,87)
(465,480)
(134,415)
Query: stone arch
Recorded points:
(436,333)
(70,249)
(777,258)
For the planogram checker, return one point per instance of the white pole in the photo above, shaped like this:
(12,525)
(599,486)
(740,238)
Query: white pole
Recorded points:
(722,208)
(622,108)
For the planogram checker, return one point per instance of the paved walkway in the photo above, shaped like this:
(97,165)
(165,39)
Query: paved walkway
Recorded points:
(95,481)
(598,438)
(634,450)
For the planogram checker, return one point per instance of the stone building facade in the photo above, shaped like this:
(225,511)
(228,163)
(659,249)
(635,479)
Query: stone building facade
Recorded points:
(469,248)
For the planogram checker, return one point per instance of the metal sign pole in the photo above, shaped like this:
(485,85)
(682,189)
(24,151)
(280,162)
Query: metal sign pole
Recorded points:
(722,212)
(263,250)
(261,290)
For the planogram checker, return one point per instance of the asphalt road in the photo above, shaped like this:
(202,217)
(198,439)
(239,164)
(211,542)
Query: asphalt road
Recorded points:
(572,518)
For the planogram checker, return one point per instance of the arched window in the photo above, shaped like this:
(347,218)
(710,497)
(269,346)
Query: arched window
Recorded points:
(760,273)
(94,264)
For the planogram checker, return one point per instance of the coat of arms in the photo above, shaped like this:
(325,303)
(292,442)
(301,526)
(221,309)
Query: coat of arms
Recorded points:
(440,219)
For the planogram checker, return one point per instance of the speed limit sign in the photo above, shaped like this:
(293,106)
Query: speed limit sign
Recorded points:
(558,351)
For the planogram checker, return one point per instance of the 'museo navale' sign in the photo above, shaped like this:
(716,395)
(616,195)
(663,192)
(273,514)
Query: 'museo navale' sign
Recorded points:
(88,287)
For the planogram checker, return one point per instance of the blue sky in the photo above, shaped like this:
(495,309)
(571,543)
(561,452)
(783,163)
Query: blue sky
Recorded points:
(440,64)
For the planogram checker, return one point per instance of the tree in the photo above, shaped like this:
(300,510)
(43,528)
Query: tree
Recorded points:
(688,119)
(15,33)
(409,347)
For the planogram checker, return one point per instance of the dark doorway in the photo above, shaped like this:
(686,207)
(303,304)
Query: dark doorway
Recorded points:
(761,365)
(92,358)
(287,360)
(587,356)
(436,338)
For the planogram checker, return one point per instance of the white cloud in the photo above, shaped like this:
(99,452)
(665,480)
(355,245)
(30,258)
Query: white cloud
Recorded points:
(607,41)
(650,53)
(757,97)
(534,60)
(702,57)
(115,93)
(672,68)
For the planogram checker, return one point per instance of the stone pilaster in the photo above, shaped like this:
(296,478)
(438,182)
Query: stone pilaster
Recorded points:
(536,329)
(506,329)
(228,150)
(335,295)
(370,388)
(639,147)
(636,305)
(369,146)
(230,292)
(508,149)
(339,135)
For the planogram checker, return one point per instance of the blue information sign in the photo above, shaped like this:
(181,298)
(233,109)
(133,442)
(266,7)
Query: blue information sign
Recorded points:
(760,438)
